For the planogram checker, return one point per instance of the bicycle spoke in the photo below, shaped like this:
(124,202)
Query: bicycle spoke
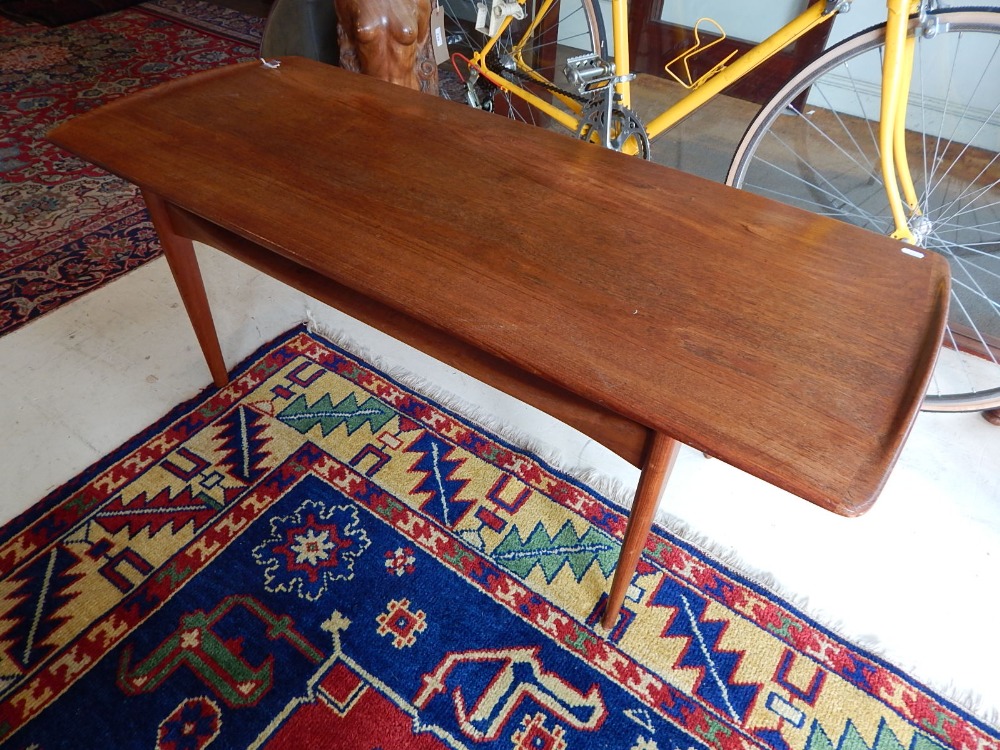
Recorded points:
(870,166)
(869,170)
(977,335)
(946,228)
(972,197)
(838,200)
(829,162)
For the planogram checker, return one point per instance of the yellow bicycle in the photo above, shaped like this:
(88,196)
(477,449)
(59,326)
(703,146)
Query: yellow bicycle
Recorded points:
(854,134)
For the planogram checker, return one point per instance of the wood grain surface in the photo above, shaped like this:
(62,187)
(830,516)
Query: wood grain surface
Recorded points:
(791,346)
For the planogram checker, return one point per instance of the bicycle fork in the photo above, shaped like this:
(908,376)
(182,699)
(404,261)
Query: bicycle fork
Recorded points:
(897,74)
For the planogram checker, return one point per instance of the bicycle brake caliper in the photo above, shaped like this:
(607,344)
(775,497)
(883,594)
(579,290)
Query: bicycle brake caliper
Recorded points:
(927,25)
(488,20)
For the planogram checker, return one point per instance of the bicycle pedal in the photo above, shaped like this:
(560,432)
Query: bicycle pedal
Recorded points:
(589,72)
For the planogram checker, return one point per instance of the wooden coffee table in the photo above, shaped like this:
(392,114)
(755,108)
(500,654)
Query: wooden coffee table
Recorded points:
(641,305)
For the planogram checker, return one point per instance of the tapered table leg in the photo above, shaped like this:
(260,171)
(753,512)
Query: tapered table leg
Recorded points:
(660,458)
(180,255)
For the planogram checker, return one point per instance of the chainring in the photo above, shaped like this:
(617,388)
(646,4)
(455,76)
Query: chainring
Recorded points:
(625,128)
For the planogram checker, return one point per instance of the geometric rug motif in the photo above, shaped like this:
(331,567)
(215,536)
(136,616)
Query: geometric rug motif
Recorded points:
(67,227)
(317,556)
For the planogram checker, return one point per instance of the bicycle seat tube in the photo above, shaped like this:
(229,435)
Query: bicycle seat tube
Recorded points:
(619,27)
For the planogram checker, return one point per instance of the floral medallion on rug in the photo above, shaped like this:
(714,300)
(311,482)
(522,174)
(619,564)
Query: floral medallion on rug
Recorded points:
(67,227)
(317,556)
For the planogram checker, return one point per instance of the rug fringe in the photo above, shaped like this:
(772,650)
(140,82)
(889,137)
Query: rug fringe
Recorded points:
(622,495)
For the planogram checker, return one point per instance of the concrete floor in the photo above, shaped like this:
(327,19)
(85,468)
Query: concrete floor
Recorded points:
(916,576)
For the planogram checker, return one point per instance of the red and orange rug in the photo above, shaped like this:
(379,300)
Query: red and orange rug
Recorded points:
(67,227)
(317,556)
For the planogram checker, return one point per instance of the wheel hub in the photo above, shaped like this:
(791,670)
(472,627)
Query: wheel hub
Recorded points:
(921,228)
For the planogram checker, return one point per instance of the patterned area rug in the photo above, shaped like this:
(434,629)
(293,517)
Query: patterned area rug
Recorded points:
(317,556)
(66,227)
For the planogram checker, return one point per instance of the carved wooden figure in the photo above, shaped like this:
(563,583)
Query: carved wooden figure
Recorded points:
(388,39)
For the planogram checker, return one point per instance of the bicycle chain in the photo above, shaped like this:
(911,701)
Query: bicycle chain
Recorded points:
(543,83)
(587,101)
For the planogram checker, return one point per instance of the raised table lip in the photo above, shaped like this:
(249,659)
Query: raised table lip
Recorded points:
(78,136)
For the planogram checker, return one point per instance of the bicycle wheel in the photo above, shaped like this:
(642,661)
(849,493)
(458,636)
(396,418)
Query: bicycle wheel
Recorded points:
(815,145)
(566,29)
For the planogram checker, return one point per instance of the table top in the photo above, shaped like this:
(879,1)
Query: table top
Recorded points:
(792,346)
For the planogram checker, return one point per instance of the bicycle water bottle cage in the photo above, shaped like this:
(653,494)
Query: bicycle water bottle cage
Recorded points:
(688,81)
(489,19)
(589,72)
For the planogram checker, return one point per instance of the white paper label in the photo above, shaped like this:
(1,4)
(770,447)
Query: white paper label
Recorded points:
(438,39)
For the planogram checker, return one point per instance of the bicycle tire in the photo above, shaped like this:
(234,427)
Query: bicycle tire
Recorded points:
(823,156)
(580,31)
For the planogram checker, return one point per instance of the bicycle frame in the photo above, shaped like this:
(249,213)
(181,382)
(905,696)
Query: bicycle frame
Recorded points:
(897,69)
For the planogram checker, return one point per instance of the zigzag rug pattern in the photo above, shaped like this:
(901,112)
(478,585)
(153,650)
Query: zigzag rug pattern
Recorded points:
(67,227)
(318,556)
